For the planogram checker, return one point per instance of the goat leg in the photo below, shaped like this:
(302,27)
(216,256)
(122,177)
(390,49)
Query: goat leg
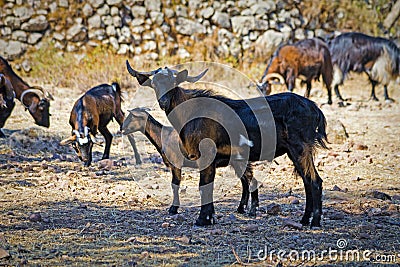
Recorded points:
(135,150)
(108,136)
(254,197)
(176,180)
(316,186)
(206,185)
(385,92)
(245,195)
(373,96)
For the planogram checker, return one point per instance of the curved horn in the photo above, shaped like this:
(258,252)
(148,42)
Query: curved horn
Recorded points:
(270,76)
(194,79)
(68,140)
(140,109)
(34,90)
(134,73)
(45,93)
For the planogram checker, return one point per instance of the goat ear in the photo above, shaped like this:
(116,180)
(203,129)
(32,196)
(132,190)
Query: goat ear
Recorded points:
(181,77)
(68,140)
(33,107)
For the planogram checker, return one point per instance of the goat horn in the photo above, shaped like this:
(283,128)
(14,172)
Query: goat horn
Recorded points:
(140,109)
(35,89)
(134,73)
(31,90)
(68,140)
(269,76)
(45,93)
(193,79)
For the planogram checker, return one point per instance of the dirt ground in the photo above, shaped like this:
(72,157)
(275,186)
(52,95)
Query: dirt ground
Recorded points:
(55,212)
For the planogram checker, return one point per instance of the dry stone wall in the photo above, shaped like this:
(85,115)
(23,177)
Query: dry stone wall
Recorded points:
(152,28)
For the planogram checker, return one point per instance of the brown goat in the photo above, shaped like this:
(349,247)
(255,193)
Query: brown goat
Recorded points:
(292,125)
(6,101)
(167,142)
(91,113)
(29,95)
(309,58)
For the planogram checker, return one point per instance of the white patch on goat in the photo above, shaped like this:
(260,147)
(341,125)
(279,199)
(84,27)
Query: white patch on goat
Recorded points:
(381,70)
(163,71)
(337,76)
(244,141)
(83,141)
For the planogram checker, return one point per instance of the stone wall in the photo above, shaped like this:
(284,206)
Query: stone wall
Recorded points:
(153,28)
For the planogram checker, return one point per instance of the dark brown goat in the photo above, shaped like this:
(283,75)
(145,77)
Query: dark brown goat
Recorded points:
(309,58)
(91,113)
(167,142)
(291,125)
(29,95)
(6,101)
(356,52)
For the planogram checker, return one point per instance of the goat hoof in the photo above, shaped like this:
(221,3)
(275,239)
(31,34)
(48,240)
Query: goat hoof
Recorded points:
(204,221)
(87,164)
(241,210)
(173,210)
(389,100)
(305,221)
(253,212)
(315,224)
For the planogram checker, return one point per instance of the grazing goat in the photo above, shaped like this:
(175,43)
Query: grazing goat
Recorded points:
(29,96)
(91,112)
(6,101)
(378,57)
(167,142)
(296,123)
(309,58)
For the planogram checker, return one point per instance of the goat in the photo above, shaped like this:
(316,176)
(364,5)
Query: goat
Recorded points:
(356,52)
(296,123)
(167,142)
(91,112)
(6,101)
(29,96)
(309,57)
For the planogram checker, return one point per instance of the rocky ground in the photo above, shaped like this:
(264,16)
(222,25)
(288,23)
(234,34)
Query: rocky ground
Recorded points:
(114,213)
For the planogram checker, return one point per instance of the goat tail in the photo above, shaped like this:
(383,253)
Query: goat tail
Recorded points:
(309,149)
(321,139)
(117,89)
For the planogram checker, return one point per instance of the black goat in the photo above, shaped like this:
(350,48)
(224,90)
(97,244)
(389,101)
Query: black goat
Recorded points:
(29,95)
(309,58)
(167,142)
(91,112)
(7,103)
(296,123)
(378,57)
